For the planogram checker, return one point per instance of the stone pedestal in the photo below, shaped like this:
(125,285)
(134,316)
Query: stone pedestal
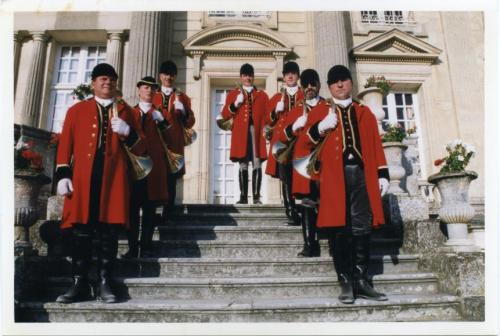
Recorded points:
(373,98)
(402,209)
(394,156)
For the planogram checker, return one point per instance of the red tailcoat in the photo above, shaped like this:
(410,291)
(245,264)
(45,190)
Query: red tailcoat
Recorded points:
(77,146)
(157,178)
(178,120)
(239,133)
(332,208)
(303,146)
(278,123)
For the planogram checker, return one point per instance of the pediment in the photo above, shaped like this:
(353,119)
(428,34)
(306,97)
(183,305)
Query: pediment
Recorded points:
(396,46)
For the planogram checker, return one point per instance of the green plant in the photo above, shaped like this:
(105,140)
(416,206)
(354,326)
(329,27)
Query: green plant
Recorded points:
(394,133)
(459,155)
(379,82)
(82,91)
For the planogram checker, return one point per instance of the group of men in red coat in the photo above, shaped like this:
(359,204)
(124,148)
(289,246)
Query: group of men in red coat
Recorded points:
(99,137)
(341,192)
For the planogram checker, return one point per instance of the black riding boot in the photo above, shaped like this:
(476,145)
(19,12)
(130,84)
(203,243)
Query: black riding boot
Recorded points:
(341,252)
(243,179)
(81,254)
(148,227)
(256,183)
(361,257)
(107,257)
(311,243)
(285,172)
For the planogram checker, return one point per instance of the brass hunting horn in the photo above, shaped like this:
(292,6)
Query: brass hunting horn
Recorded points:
(175,161)
(141,165)
(309,164)
(283,152)
(190,134)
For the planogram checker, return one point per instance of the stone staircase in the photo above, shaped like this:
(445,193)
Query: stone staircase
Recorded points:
(219,263)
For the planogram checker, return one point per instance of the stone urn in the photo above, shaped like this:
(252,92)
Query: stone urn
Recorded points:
(455,209)
(394,156)
(373,97)
(27,184)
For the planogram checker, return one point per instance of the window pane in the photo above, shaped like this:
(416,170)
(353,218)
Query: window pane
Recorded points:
(408,99)
(386,115)
(402,124)
(384,100)
(63,77)
(399,113)
(75,52)
(65,52)
(92,52)
(409,113)
(74,65)
(399,98)
(87,77)
(64,64)
(102,52)
(90,64)
(73,76)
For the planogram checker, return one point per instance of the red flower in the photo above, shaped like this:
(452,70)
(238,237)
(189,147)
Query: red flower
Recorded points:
(438,162)
(54,138)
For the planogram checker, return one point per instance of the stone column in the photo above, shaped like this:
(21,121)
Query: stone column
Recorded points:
(144,50)
(18,43)
(330,43)
(30,111)
(114,52)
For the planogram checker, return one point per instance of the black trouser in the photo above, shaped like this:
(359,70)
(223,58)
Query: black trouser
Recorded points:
(172,188)
(308,221)
(139,199)
(285,172)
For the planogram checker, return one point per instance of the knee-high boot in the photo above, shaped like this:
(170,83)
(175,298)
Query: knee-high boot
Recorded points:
(342,260)
(311,243)
(108,248)
(81,254)
(243,179)
(256,183)
(361,257)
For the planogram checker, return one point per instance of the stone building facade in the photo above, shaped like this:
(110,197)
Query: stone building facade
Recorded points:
(434,59)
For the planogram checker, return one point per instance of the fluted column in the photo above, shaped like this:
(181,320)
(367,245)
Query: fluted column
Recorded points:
(143,56)
(30,110)
(114,52)
(18,43)
(330,44)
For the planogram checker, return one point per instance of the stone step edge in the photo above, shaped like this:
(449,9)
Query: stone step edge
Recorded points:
(252,305)
(261,243)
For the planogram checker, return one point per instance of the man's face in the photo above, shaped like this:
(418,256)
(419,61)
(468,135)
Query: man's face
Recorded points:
(146,93)
(167,80)
(311,90)
(290,79)
(246,80)
(104,87)
(341,89)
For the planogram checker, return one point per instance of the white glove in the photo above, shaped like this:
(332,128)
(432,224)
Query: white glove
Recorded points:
(383,185)
(280,107)
(157,116)
(299,123)
(179,106)
(119,126)
(239,100)
(329,122)
(64,187)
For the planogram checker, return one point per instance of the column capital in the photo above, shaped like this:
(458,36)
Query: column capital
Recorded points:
(117,35)
(39,35)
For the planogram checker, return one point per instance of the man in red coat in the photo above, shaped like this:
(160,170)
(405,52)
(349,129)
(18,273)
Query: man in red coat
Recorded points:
(277,110)
(152,191)
(353,177)
(94,178)
(303,188)
(176,107)
(246,105)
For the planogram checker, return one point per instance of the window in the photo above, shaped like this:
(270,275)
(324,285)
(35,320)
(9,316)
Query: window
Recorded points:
(399,108)
(73,67)
(387,17)
(243,15)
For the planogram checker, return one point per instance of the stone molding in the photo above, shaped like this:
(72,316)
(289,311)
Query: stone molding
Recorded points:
(395,46)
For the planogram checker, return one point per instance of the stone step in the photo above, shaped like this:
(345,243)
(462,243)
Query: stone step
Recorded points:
(233,267)
(227,219)
(234,288)
(434,307)
(247,249)
(204,209)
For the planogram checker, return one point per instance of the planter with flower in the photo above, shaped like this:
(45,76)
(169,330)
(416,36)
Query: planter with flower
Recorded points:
(28,179)
(81,92)
(453,183)
(392,141)
(376,88)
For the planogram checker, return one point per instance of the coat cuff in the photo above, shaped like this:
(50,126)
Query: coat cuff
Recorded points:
(313,133)
(289,132)
(383,172)
(132,138)
(63,171)
(232,108)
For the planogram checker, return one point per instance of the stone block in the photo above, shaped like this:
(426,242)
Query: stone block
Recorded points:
(402,208)
(55,207)
(422,236)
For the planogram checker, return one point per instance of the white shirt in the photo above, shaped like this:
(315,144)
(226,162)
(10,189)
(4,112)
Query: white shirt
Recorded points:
(167,90)
(145,107)
(248,88)
(343,102)
(104,101)
(292,89)
(312,102)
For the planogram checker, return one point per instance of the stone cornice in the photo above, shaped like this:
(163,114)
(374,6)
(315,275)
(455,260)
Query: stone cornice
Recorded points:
(407,49)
